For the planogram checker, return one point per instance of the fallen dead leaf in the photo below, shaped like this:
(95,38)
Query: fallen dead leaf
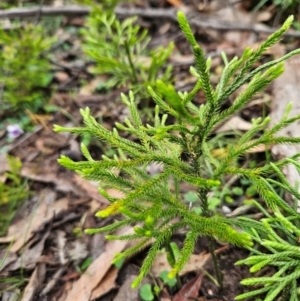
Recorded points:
(76,184)
(4,166)
(53,281)
(61,244)
(10,296)
(235,123)
(77,250)
(35,282)
(164,295)
(107,284)
(62,76)
(89,88)
(38,119)
(82,288)
(195,263)
(8,257)
(6,239)
(126,292)
(90,188)
(190,290)
(30,255)
(176,3)
(45,209)
(263,16)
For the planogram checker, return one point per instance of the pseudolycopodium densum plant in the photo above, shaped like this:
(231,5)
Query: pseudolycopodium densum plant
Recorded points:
(179,140)
(279,235)
(120,49)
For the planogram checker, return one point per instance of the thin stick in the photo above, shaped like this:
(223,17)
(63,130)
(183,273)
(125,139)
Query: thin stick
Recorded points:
(197,20)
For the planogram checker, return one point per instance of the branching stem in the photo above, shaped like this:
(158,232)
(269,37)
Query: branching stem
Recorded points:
(135,79)
(206,213)
(215,262)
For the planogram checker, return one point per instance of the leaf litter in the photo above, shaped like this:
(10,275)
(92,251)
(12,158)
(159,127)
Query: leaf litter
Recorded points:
(47,236)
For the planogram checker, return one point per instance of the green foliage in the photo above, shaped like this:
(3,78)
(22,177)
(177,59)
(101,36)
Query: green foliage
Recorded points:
(11,284)
(8,4)
(12,192)
(146,292)
(166,280)
(25,68)
(281,4)
(105,4)
(84,265)
(153,203)
(119,49)
(280,238)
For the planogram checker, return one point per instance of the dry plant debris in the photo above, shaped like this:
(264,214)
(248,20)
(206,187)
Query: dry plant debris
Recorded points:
(44,231)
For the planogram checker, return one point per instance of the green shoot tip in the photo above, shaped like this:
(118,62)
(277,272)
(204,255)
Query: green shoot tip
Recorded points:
(89,231)
(58,128)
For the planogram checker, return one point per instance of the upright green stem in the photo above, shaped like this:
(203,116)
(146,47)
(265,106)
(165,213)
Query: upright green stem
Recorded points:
(205,211)
(215,262)
(135,79)
(172,261)
(205,208)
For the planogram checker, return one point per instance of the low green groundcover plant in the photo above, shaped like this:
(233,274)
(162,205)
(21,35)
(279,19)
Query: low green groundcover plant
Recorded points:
(180,141)
(12,193)
(120,49)
(25,68)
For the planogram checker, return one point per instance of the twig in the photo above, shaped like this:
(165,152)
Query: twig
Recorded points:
(199,20)
(26,12)
(196,19)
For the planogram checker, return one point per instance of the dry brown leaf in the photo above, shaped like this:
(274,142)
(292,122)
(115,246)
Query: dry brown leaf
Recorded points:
(164,295)
(61,244)
(82,288)
(263,16)
(62,76)
(45,210)
(36,172)
(77,250)
(195,263)
(89,88)
(90,188)
(258,149)
(38,119)
(235,123)
(107,284)
(35,282)
(10,296)
(9,257)
(190,290)
(126,292)
(53,281)
(76,184)
(6,239)
(4,166)
(176,3)
(57,3)
(30,255)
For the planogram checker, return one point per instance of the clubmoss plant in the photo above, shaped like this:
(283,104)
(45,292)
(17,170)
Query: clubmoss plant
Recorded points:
(24,72)
(179,140)
(12,193)
(278,232)
(282,5)
(120,50)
